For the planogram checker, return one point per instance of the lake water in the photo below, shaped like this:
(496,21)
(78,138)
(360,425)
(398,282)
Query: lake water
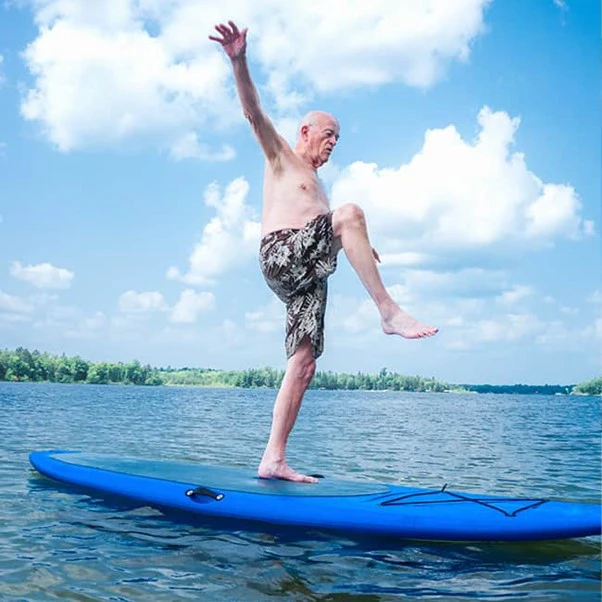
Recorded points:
(59,545)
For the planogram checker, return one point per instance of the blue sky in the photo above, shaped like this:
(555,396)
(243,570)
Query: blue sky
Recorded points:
(130,185)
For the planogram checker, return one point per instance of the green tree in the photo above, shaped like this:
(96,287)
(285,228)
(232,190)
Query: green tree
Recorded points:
(591,387)
(99,374)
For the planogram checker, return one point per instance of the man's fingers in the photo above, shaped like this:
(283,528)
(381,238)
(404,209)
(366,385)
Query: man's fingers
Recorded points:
(228,33)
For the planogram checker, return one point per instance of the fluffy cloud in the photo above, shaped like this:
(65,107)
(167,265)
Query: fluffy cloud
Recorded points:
(502,328)
(228,240)
(456,195)
(121,82)
(269,318)
(83,327)
(133,302)
(515,295)
(42,275)
(188,146)
(105,72)
(14,305)
(384,41)
(186,309)
(499,314)
(190,305)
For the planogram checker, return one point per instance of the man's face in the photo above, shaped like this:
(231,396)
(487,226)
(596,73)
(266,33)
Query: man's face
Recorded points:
(322,137)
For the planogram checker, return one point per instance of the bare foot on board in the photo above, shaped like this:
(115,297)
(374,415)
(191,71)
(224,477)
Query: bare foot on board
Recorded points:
(281,470)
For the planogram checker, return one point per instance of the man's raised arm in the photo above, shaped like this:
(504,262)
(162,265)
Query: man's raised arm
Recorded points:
(234,43)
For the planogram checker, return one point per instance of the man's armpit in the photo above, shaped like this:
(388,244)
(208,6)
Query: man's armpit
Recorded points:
(269,139)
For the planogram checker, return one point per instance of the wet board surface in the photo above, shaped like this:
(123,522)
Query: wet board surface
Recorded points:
(348,506)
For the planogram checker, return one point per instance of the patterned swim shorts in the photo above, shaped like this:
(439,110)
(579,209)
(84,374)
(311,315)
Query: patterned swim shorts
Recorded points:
(296,264)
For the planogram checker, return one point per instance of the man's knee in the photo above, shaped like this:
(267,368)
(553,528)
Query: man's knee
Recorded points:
(347,216)
(303,363)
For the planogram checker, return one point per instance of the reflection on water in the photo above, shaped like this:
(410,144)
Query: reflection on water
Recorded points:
(57,543)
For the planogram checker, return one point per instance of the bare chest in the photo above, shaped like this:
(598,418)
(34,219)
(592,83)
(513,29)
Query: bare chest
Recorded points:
(297,185)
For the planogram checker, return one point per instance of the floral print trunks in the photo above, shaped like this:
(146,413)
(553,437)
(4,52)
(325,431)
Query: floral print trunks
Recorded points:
(296,264)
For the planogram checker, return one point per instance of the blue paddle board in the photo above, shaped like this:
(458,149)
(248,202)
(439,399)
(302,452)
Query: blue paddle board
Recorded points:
(349,506)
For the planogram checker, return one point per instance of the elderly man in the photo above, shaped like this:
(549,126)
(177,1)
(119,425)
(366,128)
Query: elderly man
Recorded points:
(301,236)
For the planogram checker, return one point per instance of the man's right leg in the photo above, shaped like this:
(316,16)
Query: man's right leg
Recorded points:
(299,372)
(349,224)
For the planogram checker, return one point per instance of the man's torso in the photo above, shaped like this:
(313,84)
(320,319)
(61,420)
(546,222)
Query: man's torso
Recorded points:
(292,194)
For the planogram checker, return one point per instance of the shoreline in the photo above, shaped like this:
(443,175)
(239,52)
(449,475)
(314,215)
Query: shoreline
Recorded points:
(453,391)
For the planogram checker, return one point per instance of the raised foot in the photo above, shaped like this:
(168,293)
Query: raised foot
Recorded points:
(281,470)
(405,326)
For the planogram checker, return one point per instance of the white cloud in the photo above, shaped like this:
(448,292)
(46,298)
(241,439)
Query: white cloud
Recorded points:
(360,317)
(502,328)
(516,294)
(88,327)
(190,305)
(186,310)
(469,282)
(42,275)
(556,212)
(189,147)
(407,258)
(14,305)
(133,302)
(228,240)
(106,72)
(459,196)
(384,41)
(474,310)
(269,318)
(122,82)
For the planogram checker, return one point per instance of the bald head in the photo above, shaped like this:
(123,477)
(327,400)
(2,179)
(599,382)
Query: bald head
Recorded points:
(317,136)
(317,118)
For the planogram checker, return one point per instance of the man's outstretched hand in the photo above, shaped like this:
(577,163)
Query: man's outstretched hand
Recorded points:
(233,42)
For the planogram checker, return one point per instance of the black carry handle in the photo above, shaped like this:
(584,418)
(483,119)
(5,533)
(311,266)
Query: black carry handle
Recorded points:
(203,491)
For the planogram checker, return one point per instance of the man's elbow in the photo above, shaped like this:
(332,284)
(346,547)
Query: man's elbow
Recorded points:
(253,116)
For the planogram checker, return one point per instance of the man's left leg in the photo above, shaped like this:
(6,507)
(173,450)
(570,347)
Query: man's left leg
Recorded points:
(349,225)
(297,377)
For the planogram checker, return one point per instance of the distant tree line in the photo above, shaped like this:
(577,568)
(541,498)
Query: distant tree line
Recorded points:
(519,389)
(35,366)
(268,377)
(24,365)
